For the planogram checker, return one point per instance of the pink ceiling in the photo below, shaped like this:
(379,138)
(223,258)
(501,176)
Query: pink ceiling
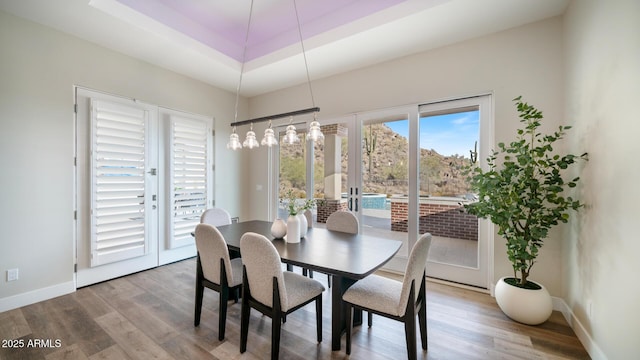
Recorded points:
(222,24)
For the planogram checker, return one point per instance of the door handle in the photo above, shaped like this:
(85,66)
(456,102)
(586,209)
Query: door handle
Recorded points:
(350,204)
(356,199)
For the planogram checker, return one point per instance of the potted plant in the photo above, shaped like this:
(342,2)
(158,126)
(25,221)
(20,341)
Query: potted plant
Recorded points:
(523,193)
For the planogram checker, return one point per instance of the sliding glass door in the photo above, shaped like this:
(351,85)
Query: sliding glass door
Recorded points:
(400,171)
(453,135)
(381,178)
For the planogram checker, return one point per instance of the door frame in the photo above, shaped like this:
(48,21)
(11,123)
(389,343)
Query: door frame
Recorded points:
(483,279)
(159,252)
(356,121)
(85,274)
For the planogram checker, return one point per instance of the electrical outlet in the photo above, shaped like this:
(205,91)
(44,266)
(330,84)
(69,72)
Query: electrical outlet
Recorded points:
(12,274)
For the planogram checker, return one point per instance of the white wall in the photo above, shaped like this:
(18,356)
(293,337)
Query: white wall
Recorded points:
(602,47)
(38,69)
(522,61)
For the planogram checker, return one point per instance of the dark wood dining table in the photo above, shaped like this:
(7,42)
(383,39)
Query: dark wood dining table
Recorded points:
(347,257)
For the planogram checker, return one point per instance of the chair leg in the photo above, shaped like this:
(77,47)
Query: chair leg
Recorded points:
(236,295)
(422,318)
(245,313)
(349,324)
(410,325)
(319,317)
(244,325)
(329,281)
(369,318)
(410,333)
(222,319)
(276,323)
(307,272)
(199,292)
(198,307)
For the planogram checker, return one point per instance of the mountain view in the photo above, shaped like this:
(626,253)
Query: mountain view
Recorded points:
(384,166)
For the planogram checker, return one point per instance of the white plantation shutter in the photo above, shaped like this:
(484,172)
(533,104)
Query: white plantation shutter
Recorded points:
(119,182)
(188,177)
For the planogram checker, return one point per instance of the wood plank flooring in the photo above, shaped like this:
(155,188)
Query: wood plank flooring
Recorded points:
(149,315)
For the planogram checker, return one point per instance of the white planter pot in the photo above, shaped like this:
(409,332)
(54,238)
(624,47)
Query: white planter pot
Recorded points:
(279,229)
(293,229)
(531,307)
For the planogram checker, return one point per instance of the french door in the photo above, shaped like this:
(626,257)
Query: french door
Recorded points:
(379,174)
(399,171)
(143,177)
(452,135)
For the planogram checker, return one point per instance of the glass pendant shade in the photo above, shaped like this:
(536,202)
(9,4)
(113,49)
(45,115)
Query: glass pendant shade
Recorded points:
(315,133)
(269,138)
(234,141)
(291,135)
(250,141)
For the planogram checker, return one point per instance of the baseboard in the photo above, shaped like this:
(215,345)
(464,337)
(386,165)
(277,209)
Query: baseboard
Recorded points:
(32,297)
(592,348)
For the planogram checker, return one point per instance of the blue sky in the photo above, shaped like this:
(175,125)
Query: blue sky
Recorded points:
(447,134)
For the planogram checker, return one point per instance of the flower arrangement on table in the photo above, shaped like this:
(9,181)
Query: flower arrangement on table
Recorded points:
(294,206)
(297,223)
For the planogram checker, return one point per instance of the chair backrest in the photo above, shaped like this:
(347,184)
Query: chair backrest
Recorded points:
(343,221)
(262,263)
(212,247)
(215,217)
(415,270)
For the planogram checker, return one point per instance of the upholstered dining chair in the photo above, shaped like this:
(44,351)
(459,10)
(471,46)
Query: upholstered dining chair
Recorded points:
(271,291)
(215,217)
(218,217)
(215,270)
(395,300)
(343,221)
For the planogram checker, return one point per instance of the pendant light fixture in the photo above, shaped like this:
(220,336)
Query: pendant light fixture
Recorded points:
(250,141)
(234,141)
(269,138)
(291,135)
(315,133)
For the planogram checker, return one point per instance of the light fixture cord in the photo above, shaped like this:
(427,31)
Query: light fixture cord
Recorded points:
(304,55)
(244,54)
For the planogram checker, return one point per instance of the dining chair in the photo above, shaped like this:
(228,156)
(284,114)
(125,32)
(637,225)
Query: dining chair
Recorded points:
(218,217)
(342,221)
(215,270)
(394,299)
(215,217)
(271,291)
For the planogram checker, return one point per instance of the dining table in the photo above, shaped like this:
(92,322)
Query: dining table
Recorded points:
(346,257)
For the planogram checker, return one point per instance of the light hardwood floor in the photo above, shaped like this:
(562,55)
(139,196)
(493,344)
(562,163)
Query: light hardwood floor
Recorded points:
(150,315)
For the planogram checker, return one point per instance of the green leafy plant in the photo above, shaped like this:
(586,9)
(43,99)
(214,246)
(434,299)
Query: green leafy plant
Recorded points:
(524,195)
(294,204)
